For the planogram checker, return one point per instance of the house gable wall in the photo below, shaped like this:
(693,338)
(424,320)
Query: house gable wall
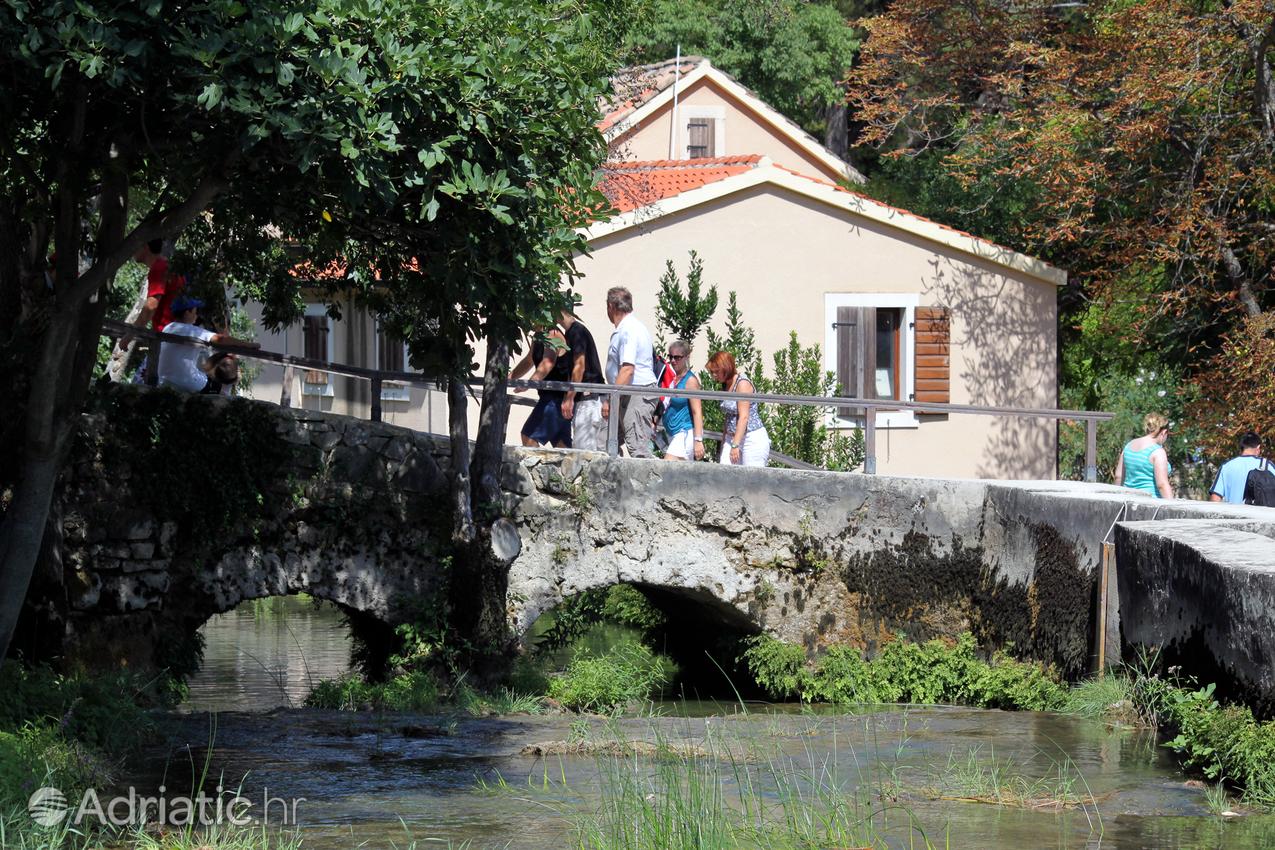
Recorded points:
(745,133)
(784,253)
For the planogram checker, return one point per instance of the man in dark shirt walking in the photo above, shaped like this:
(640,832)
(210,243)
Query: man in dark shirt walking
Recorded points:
(584,410)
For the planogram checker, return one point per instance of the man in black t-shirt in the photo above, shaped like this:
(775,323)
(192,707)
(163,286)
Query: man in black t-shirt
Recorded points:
(583,410)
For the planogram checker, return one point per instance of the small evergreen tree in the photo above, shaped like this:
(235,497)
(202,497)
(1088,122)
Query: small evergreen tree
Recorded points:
(682,315)
(739,340)
(798,432)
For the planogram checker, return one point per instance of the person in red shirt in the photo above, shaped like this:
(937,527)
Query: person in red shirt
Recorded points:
(161,287)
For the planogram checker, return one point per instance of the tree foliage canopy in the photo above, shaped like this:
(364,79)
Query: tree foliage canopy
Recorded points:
(792,53)
(1134,143)
(434,156)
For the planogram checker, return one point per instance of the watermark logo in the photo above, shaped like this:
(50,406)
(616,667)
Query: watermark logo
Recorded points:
(47,806)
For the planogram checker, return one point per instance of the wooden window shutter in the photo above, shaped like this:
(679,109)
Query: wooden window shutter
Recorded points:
(856,355)
(700,141)
(933,379)
(389,354)
(316,346)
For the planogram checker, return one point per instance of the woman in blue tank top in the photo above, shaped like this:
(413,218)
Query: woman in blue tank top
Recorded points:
(684,417)
(1144,464)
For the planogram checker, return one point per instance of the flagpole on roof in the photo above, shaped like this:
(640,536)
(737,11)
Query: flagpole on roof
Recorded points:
(672,130)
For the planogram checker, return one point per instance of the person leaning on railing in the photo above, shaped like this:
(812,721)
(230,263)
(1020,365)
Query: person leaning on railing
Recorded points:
(684,417)
(744,438)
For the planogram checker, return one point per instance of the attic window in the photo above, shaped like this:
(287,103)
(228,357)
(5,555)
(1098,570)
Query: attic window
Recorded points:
(703,131)
(700,133)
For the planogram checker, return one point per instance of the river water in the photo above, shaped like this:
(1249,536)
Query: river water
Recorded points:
(382,780)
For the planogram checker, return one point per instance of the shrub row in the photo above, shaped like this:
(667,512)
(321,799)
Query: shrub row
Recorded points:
(927,673)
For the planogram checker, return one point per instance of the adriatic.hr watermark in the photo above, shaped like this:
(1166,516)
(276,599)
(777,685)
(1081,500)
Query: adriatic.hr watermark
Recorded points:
(50,807)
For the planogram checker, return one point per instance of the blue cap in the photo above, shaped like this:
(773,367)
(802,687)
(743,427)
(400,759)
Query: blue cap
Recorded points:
(182,303)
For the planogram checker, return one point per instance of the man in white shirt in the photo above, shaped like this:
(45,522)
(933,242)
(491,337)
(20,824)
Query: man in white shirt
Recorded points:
(630,361)
(179,365)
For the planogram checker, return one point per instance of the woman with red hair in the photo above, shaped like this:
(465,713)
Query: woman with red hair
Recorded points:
(744,438)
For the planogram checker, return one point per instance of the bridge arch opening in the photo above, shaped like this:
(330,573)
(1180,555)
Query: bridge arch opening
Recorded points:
(699,634)
(269,652)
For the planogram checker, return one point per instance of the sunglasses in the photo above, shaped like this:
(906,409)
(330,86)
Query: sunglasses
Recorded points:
(678,356)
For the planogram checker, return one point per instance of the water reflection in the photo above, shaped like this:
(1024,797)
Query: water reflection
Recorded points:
(268,653)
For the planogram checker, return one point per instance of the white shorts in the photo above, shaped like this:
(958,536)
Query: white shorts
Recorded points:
(681,444)
(754,452)
(588,428)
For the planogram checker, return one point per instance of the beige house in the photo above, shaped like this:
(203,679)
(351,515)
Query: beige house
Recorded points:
(902,307)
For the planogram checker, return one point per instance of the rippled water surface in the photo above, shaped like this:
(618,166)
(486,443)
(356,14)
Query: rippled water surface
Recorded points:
(268,654)
(359,779)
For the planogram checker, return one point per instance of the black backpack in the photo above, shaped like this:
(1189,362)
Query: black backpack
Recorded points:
(1259,487)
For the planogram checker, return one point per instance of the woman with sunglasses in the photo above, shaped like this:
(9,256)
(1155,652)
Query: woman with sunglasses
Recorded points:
(684,417)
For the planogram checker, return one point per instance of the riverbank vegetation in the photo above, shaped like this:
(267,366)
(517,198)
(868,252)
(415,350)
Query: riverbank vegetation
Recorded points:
(75,733)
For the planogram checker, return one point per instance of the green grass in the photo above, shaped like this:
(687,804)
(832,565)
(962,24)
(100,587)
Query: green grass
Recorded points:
(627,674)
(1109,695)
(718,793)
(987,778)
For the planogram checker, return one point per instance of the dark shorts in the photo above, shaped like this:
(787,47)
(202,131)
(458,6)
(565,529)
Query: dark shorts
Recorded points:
(546,425)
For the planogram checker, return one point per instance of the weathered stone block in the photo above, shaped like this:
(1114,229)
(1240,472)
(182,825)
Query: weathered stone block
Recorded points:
(397,449)
(516,478)
(83,589)
(142,550)
(356,434)
(1205,594)
(132,525)
(167,535)
(358,465)
(134,592)
(325,440)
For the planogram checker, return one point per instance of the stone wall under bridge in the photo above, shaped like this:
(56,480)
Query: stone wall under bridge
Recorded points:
(358,517)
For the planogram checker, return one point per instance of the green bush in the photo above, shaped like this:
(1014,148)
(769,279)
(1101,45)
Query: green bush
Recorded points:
(778,667)
(412,691)
(100,711)
(1222,742)
(37,755)
(927,673)
(628,673)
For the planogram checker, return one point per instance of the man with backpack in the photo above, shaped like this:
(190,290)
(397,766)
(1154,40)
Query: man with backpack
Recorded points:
(1246,479)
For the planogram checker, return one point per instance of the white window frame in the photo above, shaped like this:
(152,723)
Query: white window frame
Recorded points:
(391,390)
(326,388)
(718,116)
(907,302)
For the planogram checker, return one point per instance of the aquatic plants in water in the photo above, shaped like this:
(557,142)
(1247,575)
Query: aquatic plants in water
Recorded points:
(926,673)
(628,673)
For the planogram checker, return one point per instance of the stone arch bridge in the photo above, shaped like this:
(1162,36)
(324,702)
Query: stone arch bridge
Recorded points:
(357,515)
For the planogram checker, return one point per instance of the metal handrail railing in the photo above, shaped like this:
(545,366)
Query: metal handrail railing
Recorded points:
(869,407)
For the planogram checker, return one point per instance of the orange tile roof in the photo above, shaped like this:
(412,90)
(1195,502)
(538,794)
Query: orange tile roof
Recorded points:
(630,185)
(635,85)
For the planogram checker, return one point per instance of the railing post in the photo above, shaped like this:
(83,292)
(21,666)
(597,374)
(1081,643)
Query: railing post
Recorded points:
(376,397)
(870,440)
(289,375)
(152,363)
(1091,450)
(613,426)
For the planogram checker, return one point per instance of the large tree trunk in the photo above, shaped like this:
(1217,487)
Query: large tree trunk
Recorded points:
(46,439)
(63,368)
(479,582)
(458,432)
